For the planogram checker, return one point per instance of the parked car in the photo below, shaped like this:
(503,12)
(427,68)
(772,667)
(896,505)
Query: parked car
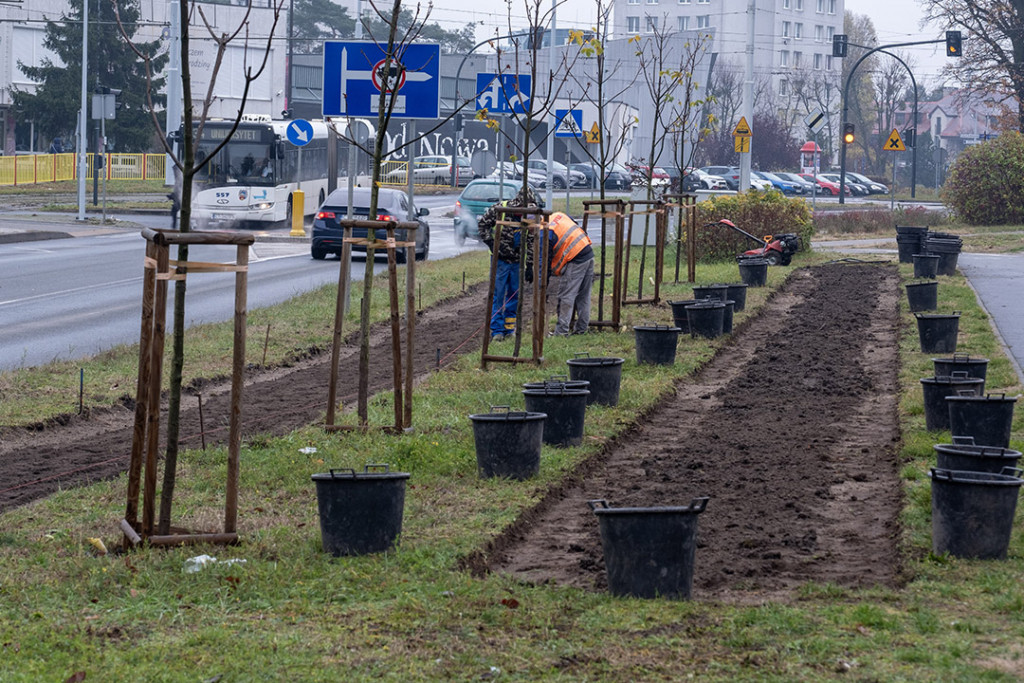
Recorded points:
(513,171)
(808,186)
(434,170)
(479,196)
(391,204)
(873,187)
(561,177)
(856,189)
(730,173)
(616,176)
(759,183)
(827,186)
(695,179)
(780,184)
(658,176)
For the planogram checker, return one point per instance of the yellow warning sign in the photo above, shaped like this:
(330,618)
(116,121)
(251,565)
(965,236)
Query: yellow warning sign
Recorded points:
(741,144)
(895,142)
(592,135)
(742,129)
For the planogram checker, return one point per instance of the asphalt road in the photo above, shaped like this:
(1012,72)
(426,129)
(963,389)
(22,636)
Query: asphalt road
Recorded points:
(999,280)
(65,299)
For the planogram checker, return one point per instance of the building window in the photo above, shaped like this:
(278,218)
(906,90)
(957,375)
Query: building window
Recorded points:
(820,7)
(784,58)
(817,62)
(819,33)
(796,59)
(684,23)
(652,2)
(783,87)
(633,2)
(828,62)
(633,24)
(831,6)
(703,2)
(799,5)
(704,21)
(785,29)
(938,127)
(684,2)
(785,4)
(798,30)
(829,32)
(652,23)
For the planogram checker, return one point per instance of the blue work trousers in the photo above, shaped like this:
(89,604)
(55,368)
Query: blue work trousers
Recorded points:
(506,298)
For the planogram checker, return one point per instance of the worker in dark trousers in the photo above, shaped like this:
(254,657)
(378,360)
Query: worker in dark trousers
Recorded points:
(506,278)
(572,260)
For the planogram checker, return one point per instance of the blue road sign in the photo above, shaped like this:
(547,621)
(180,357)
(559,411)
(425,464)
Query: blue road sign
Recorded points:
(569,123)
(299,132)
(503,93)
(354,77)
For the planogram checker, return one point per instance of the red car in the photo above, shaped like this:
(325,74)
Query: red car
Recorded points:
(824,186)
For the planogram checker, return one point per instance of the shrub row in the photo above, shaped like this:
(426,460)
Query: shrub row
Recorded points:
(759,213)
(985,185)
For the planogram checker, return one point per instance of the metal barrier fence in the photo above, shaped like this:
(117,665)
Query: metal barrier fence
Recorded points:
(31,169)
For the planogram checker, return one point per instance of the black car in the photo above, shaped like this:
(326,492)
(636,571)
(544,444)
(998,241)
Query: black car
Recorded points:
(391,204)
(617,177)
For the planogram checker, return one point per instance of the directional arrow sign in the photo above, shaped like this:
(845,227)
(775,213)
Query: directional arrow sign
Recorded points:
(503,93)
(570,123)
(299,132)
(355,74)
(895,142)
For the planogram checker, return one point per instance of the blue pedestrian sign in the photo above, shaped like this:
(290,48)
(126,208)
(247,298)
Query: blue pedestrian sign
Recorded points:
(355,76)
(570,123)
(503,93)
(299,132)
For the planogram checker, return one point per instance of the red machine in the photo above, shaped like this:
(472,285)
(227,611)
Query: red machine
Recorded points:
(777,250)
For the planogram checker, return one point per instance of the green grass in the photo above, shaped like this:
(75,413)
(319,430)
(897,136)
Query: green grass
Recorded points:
(291,613)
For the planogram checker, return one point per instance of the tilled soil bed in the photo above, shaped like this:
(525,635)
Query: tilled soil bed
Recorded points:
(791,431)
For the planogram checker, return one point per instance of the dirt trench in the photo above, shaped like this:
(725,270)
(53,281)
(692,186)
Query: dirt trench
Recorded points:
(791,431)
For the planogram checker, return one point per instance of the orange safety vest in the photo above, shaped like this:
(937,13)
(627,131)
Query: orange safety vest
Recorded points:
(571,241)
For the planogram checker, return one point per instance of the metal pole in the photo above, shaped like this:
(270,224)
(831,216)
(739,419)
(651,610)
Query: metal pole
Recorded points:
(82,147)
(174,99)
(748,95)
(551,137)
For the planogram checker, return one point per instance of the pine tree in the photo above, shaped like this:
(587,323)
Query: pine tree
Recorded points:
(55,103)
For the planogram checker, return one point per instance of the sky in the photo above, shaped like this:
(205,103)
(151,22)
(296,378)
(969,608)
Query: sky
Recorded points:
(896,21)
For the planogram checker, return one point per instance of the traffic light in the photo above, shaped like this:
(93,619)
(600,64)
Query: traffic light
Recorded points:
(953,48)
(910,137)
(839,45)
(848,133)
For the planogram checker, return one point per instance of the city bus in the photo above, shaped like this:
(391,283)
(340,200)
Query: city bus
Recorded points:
(251,180)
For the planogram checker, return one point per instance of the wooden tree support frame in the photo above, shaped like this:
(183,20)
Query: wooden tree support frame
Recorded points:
(646,208)
(609,211)
(533,223)
(402,371)
(158,270)
(687,218)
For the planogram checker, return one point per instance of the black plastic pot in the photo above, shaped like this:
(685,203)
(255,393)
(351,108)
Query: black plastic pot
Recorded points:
(962,362)
(972,512)
(604,375)
(508,443)
(679,314)
(923,296)
(558,381)
(909,241)
(649,552)
(566,410)
(707,319)
(360,512)
(964,454)
(737,292)
(936,389)
(926,265)
(656,344)
(754,272)
(937,332)
(947,248)
(719,292)
(727,316)
(987,418)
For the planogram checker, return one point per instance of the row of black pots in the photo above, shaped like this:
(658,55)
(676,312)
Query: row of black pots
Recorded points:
(943,248)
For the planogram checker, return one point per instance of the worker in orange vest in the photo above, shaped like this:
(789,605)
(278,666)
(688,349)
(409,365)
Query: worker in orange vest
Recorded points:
(572,260)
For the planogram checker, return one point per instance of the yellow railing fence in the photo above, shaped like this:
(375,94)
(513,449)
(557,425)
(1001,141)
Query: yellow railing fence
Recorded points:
(31,169)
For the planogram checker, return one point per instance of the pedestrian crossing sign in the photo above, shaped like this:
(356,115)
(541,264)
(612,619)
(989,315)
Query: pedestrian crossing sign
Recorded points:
(895,142)
(570,123)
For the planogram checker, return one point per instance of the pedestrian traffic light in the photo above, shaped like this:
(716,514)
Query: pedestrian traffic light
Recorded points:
(953,48)
(848,133)
(839,45)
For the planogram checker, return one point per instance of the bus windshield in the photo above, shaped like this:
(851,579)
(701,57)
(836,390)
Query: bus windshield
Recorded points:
(249,157)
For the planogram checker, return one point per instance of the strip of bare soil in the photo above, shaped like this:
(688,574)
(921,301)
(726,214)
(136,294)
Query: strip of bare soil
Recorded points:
(791,430)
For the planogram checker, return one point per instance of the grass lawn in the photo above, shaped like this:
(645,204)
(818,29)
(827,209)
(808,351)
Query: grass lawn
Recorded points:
(286,611)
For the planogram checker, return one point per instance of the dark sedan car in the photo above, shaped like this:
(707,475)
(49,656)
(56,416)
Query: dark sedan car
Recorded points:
(617,177)
(391,204)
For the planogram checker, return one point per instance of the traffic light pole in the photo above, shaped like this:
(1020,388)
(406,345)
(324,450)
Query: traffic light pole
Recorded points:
(846,105)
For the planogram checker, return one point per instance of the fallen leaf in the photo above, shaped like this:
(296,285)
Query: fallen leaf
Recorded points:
(511,603)
(76,677)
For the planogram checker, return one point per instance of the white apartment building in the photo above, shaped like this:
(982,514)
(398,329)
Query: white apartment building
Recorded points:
(789,35)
